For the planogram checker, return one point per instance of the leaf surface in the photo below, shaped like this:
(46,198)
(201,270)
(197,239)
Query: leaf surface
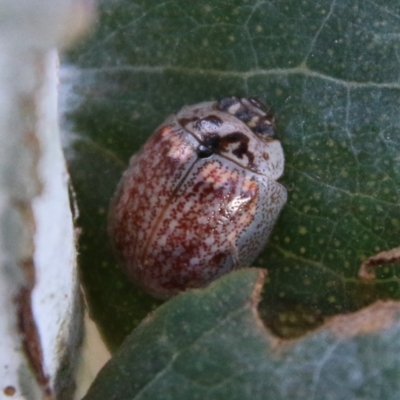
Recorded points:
(329,71)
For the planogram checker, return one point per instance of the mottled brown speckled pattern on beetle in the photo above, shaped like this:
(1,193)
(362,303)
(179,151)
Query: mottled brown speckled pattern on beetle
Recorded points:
(200,198)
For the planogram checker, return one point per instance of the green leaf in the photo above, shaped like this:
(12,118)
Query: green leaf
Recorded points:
(211,344)
(328,69)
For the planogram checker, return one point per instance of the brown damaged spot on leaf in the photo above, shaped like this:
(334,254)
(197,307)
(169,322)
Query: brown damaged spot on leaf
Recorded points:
(26,212)
(9,391)
(28,268)
(367,271)
(375,318)
(30,339)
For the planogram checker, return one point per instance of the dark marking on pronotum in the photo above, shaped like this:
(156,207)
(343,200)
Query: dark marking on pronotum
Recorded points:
(212,119)
(215,144)
(184,121)
(208,124)
(242,149)
(210,145)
